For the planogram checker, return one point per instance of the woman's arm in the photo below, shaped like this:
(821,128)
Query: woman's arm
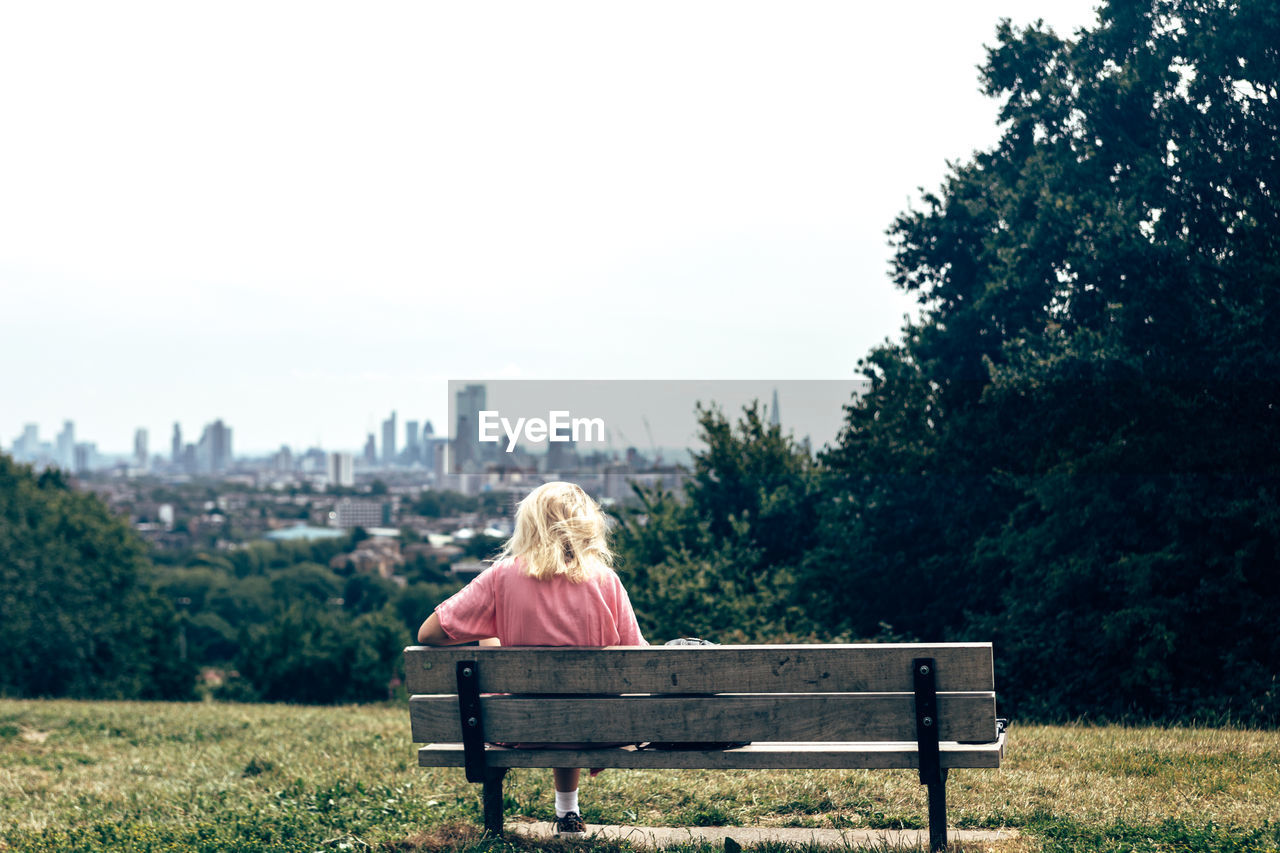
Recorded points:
(431,634)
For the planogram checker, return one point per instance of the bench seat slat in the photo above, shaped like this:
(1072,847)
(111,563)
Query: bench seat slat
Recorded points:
(852,668)
(755,717)
(754,756)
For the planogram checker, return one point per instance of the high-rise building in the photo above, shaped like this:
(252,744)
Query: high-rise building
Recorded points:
(140,454)
(213,453)
(389,439)
(175,446)
(412,447)
(84,456)
(370,451)
(67,445)
(468,452)
(342,469)
(775,417)
(432,453)
(27,446)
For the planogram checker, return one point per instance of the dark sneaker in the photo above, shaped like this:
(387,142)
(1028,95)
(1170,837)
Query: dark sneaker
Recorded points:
(570,826)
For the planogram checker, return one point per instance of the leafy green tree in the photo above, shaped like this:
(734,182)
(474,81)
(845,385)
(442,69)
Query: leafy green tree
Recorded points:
(79,618)
(416,601)
(194,587)
(210,639)
(243,602)
(751,472)
(310,654)
(364,593)
(719,560)
(1072,450)
(481,547)
(435,504)
(494,502)
(305,582)
(420,568)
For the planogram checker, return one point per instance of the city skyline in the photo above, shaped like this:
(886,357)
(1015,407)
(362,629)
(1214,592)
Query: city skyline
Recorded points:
(142,437)
(670,408)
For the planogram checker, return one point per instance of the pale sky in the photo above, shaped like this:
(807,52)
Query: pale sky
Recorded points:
(300,216)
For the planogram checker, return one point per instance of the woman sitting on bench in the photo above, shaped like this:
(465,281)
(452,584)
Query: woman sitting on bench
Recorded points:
(552,585)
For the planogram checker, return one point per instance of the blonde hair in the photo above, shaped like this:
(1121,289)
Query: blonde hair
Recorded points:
(560,530)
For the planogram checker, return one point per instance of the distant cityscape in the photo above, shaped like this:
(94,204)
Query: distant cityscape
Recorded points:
(414,452)
(212,454)
(417,498)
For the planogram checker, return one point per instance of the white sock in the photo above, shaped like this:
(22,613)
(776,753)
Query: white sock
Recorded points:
(566,801)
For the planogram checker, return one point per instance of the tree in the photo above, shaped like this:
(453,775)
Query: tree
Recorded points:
(434,503)
(1072,450)
(305,582)
(721,562)
(307,653)
(367,593)
(79,619)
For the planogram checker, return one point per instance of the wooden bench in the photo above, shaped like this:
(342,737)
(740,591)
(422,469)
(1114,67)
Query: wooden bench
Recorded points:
(925,707)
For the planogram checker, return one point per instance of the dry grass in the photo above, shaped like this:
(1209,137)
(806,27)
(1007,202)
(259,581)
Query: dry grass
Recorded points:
(153,776)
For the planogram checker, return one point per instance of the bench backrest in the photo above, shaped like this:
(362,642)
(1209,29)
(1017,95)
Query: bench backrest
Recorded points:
(821,693)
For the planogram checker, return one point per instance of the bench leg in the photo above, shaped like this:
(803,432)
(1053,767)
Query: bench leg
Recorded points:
(492,798)
(938,812)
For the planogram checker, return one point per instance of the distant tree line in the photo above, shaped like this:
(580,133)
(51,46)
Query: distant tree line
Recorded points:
(289,622)
(88,613)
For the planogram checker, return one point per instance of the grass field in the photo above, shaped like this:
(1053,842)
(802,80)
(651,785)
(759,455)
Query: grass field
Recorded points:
(136,776)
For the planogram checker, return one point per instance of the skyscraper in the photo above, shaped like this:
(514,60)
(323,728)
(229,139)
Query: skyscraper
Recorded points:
(176,445)
(341,470)
(433,447)
(370,451)
(467,449)
(213,453)
(140,454)
(389,439)
(411,445)
(27,446)
(67,446)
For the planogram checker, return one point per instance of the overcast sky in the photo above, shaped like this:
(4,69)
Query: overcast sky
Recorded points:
(299,217)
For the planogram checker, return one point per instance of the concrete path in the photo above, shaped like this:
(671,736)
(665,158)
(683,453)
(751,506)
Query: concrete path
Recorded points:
(661,836)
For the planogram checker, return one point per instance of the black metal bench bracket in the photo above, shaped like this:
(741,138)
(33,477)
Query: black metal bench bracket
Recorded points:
(470,718)
(472,721)
(924,678)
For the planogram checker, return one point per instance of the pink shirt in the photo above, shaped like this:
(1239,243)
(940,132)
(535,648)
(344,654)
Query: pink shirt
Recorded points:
(504,602)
